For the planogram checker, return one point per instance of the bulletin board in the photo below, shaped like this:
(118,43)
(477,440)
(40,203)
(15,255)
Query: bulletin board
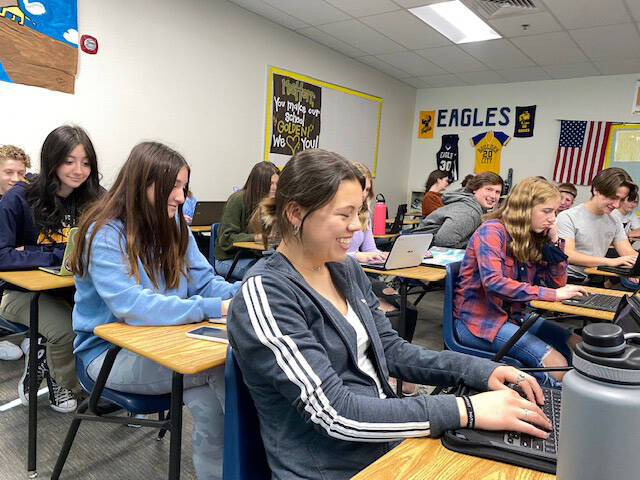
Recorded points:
(623,149)
(303,112)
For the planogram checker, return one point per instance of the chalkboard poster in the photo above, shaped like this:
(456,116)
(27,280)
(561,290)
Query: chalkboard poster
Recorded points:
(303,112)
(296,115)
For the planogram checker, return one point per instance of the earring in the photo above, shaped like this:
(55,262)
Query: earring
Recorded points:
(296,230)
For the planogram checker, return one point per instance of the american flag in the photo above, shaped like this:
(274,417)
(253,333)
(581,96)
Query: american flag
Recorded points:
(580,151)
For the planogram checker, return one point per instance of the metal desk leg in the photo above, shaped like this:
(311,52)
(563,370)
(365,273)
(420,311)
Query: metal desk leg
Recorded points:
(402,323)
(33,387)
(175,444)
(233,265)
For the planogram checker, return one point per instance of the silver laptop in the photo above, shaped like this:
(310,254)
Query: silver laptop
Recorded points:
(407,251)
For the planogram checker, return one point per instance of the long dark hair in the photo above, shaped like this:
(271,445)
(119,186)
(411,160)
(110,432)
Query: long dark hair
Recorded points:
(258,184)
(159,242)
(310,178)
(47,207)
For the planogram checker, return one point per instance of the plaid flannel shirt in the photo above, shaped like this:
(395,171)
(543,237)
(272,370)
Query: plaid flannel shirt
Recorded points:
(493,286)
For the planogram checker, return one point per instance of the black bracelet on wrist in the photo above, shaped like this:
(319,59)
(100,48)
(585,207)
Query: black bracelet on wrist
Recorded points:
(471,417)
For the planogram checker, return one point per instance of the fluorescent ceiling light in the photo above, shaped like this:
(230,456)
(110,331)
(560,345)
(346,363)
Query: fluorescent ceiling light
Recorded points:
(455,21)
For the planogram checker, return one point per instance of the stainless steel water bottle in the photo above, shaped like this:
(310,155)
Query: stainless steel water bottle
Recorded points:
(600,416)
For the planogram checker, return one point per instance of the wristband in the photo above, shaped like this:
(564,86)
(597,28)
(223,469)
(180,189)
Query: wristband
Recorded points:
(471,417)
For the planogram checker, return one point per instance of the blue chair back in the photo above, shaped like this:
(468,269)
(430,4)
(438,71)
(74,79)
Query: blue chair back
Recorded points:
(448,330)
(244,455)
(132,402)
(212,244)
(11,327)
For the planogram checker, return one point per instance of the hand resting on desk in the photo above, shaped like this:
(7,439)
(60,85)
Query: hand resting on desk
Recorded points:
(569,291)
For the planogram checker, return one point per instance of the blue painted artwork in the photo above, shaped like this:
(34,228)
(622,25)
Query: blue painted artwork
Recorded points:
(54,20)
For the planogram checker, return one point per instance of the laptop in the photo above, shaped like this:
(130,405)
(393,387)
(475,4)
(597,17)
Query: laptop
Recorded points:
(207,213)
(598,301)
(622,271)
(440,257)
(407,251)
(64,270)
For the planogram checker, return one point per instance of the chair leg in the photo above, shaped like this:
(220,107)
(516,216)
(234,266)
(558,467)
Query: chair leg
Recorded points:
(162,431)
(68,442)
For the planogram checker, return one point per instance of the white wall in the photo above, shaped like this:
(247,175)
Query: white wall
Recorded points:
(595,98)
(192,73)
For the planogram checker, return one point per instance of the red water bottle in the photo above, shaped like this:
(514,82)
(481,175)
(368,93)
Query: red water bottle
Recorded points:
(379,215)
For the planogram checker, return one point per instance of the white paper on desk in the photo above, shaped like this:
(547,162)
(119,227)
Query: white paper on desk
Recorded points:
(222,319)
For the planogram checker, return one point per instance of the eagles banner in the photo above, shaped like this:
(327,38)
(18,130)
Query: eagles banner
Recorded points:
(39,43)
(525,118)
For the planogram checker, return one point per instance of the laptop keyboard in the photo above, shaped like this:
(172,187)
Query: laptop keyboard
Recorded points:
(596,301)
(551,408)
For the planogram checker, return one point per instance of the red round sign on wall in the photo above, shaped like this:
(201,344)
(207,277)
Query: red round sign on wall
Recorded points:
(89,44)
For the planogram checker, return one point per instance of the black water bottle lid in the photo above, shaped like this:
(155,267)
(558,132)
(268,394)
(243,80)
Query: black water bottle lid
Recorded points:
(603,335)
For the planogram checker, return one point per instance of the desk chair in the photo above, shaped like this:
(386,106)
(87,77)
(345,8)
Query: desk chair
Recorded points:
(244,456)
(132,402)
(7,327)
(212,243)
(451,341)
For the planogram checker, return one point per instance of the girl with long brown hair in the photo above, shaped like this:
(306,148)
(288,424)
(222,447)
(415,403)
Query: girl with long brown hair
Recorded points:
(235,221)
(507,260)
(136,261)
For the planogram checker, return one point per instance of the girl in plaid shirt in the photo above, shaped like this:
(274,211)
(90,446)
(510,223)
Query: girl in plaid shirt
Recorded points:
(514,257)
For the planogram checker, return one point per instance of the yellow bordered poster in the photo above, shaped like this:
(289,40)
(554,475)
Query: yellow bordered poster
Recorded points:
(303,112)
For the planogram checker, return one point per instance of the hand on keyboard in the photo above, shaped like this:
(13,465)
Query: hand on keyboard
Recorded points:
(569,291)
(506,410)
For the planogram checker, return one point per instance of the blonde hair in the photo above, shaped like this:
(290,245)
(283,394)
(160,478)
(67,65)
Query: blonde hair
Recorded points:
(10,152)
(515,214)
(364,215)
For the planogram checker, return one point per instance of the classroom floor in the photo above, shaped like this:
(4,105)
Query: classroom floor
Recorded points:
(106,451)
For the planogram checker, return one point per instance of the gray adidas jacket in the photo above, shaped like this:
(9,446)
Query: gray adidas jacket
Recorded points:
(320,415)
(453,224)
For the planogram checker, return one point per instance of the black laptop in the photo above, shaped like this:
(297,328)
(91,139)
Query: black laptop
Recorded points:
(207,213)
(622,271)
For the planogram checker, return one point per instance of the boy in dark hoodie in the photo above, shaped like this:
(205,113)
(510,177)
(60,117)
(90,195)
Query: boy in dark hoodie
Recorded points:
(453,224)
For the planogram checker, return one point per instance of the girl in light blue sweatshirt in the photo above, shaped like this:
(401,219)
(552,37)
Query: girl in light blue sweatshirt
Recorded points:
(137,262)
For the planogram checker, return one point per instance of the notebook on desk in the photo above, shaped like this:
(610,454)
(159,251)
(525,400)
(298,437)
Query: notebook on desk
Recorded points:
(64,270)
(407,251)
(622,271)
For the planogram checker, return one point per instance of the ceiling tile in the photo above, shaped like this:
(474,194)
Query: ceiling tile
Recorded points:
(444,81)
(498,54)
(412,63)
(326,39)
(271,13)
(526,74)
(360,36)
(314,13)
(406,29)
(359,8)
(572,70)
(453,59)
(415,3)
(602,43)
(617,66)
(588,13)
(416,82)
(550,48)
(378,64)
(538,23)
(477,78)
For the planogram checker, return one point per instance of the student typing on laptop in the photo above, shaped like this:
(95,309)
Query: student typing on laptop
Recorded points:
(589,229)
(514,249)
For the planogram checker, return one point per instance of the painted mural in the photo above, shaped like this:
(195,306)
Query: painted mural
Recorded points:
(39,43)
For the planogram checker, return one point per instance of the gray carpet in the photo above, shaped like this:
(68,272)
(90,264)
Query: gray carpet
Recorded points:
(107,451)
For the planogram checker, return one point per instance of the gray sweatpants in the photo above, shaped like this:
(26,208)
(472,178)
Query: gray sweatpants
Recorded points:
(203,395)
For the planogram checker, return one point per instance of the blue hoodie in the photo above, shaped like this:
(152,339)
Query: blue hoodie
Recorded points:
(107,293)
(17,229)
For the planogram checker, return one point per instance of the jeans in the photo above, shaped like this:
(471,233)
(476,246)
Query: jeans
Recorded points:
(244,263)
(203,395)
(531,347)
